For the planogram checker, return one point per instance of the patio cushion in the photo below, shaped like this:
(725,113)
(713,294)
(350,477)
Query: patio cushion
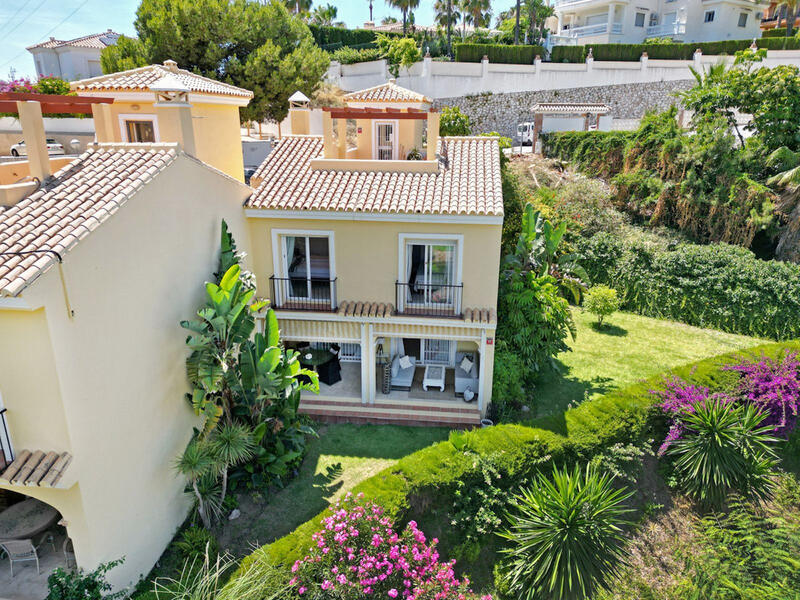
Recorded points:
(405,362)
(395,366)
(466,364)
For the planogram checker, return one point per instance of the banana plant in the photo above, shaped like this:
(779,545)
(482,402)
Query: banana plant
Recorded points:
(217,334)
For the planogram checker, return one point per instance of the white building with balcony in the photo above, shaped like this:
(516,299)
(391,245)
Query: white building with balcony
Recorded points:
(626,22)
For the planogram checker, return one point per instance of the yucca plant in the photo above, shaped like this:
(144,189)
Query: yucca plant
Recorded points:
(199,465)
(232,444)
(566,536)
(725,448)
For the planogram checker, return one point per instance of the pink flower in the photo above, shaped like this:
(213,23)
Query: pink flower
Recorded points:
(392,593)
(301,590)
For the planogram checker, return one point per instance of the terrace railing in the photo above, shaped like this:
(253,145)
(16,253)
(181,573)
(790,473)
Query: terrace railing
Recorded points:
(293,293)
(428,299)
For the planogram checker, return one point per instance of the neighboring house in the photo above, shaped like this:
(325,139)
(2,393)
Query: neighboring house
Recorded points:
(627,22)
(394,261)
(72,59)
(563,116)
(98,264)
(776,16)
(136,116)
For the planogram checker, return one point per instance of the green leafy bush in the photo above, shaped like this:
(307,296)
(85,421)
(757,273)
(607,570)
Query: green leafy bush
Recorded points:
(498,53)
(566,536)
(196,542)
(82,585)
(508,389)
(454,122)
(330,38)
(568,54)
(348,55)
(602,301)
(717,285)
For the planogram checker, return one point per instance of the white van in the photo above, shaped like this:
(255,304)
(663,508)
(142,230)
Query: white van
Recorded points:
(525,133)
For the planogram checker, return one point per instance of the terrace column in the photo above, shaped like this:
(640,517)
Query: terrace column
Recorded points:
(30,117)
(365,377)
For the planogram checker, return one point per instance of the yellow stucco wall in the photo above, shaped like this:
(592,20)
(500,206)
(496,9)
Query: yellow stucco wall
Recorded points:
(408,131)
(120,362)
(366,256)
(216,129)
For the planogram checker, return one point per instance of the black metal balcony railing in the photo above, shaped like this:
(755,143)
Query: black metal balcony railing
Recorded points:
(300,293)
(6,453)
(428,299)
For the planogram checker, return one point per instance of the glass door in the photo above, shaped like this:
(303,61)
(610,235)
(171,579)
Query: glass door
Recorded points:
(306,260)
(436,352)
(431,274)
(385,141)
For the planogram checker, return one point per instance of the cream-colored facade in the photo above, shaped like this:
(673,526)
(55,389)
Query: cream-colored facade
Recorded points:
(92,356)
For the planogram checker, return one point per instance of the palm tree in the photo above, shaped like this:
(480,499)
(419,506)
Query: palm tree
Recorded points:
(404,6)
(324,15)
(478,12)
(792,7)
(299,7)
(516,25)
(787,180)
(447,15)
(198,463)
(232,445)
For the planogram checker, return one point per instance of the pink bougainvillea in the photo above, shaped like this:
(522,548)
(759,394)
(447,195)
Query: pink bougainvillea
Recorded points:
(772,385)
(16,85)
(357,553)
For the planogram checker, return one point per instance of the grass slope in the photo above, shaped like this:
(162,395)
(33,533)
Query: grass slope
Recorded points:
(626,349)
(340,458)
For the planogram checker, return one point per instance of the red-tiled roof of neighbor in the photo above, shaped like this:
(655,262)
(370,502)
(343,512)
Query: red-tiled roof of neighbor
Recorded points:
(94,40)
(81,196)
(140,80)
(386,92)
(470,185)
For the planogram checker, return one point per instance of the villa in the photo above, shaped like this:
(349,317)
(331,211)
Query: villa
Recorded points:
(381,239)
(589,22)
(72,59)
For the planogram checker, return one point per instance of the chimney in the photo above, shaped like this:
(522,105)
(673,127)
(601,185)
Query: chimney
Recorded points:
(171,65)
(174,110)
(30,117)
(299,114)
(433,134)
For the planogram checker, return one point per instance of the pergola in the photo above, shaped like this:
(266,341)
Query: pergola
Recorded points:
(589,112)
(51,103)
(376,113)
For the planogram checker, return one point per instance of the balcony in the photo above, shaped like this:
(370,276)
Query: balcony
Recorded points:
(589,30)
(666,30)
(300,293)
(6,452)
(428,299)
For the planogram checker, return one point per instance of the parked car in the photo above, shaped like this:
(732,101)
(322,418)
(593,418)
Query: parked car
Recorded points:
(53,147)
(525,133)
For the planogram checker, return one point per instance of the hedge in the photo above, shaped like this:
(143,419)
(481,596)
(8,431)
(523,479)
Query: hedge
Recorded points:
(777,32)
(498,53)
(428,476)
(331,38)
(633,52)
(717,285)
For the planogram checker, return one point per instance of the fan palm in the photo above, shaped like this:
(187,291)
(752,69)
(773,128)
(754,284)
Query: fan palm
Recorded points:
(725,449)
(566,536)
(477,13)
(198,464)
(447,16)
(405,7)
(233,444)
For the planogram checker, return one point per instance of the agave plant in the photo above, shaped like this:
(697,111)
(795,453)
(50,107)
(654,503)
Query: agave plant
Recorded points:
(725,448)
(566,536)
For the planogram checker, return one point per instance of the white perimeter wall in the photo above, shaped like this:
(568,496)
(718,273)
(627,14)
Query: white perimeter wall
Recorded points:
(438,79)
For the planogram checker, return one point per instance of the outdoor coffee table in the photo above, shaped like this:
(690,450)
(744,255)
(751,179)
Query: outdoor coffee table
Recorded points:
(27,519)
(434,376)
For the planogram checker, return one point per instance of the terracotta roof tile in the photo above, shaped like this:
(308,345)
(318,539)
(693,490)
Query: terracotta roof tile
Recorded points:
(469,186)
(142,78)
(386,92)
(80,197)
(94,40)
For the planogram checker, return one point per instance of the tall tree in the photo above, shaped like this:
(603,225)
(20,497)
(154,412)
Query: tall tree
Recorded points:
(324,15)
(261,47)
(478,12)
(792,7)
(299,7)
(405,7)
(447,16)
(516,26)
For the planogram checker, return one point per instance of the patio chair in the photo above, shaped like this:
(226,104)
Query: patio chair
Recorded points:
(20,551)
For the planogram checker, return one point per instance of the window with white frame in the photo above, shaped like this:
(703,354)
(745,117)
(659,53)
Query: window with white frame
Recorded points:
(139,129)
(436,352)
(708,17)
(640,16)
(306,267)
(430,272)
(6,449)
(742,19)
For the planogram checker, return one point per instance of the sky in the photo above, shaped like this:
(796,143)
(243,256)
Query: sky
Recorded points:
(27,22)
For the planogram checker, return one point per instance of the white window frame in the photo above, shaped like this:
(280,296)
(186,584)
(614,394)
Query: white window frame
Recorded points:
(705,16)
(5,436)
(395,134)
(739,21)
(278,265)
(137,117)
(394,348)
(636,16)
(404,239)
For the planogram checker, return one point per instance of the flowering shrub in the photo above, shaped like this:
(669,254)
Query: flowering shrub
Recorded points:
(358,553)
(772,386)
(16,85)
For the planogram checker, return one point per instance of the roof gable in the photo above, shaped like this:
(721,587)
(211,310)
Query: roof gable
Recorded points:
(94,40)
(386,92)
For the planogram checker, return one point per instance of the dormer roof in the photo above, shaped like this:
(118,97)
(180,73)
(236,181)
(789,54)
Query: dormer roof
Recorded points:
(143,78)
(386,92)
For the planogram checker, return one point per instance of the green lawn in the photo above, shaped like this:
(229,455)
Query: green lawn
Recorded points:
(343,456)
(626,349)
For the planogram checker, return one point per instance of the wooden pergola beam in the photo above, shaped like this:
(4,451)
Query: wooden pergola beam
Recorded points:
(51,103)
(376,113)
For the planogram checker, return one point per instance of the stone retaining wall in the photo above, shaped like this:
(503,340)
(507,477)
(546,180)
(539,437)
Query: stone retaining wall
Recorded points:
(502,112)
